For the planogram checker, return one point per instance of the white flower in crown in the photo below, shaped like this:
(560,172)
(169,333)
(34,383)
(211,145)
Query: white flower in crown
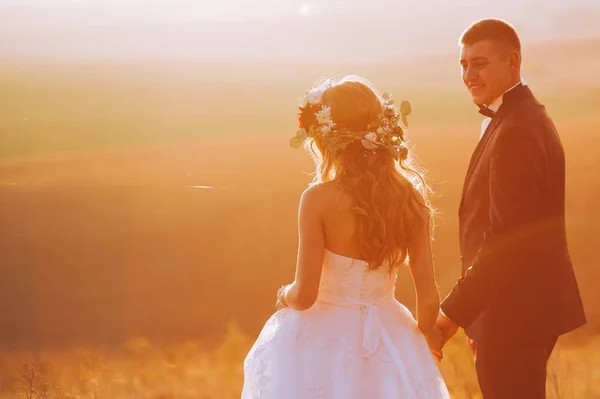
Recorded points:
(372,137)
(368,144)
(327,126)
(314,96)
(324,116)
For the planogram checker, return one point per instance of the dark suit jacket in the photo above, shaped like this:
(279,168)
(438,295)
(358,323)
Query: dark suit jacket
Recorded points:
(518,281)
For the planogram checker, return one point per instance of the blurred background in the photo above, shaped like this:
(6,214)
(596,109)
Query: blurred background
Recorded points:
(148,194)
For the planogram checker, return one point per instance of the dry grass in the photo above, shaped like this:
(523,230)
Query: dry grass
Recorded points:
(189,370)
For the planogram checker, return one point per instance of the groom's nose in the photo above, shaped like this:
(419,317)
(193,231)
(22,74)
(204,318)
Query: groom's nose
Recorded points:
(470,74)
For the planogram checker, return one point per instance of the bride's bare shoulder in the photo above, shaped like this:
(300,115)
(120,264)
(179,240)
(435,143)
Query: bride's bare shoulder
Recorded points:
(320,196)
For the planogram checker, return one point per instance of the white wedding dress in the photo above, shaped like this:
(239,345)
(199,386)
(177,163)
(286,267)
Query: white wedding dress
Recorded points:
(355,342)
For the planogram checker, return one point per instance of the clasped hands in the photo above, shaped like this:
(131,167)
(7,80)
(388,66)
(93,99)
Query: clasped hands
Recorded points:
(442,331)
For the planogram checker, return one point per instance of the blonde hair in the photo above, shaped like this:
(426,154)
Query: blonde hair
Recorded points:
(389,196)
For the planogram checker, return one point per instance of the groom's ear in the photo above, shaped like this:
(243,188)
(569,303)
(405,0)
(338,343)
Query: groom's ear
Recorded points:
(514,59)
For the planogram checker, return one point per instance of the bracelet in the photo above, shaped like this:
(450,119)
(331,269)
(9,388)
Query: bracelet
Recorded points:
(281,303)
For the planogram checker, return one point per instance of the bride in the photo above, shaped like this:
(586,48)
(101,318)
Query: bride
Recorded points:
(339,332)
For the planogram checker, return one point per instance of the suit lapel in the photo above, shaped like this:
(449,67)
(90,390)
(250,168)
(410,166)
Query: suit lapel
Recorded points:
(479,150)
(509,100)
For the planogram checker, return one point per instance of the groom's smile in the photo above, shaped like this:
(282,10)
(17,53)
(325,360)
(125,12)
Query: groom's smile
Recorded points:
(486,69)
(475,88)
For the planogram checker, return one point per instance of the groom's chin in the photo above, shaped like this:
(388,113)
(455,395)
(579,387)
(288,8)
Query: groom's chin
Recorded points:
(478,101)
(477,97)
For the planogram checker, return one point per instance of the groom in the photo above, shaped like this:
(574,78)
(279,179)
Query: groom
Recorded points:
(517,292)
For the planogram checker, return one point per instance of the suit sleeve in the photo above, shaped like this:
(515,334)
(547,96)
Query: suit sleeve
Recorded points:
(516,170)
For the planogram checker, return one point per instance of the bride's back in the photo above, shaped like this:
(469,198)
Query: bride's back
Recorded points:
(345,221)
(340,223)
(346,275)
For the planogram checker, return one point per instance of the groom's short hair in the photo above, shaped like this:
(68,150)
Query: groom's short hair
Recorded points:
(492,29)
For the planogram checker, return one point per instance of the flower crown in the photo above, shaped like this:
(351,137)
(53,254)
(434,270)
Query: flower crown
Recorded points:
(386,130)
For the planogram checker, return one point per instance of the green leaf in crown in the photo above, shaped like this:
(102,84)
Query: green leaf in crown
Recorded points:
(296,142)
(405,108)
(301,134)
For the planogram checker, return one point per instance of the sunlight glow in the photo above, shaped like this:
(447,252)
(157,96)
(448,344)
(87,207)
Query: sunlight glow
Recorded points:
(304,9)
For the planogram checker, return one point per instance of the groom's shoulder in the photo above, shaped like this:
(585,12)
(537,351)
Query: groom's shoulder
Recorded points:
(529,112)
(528,121)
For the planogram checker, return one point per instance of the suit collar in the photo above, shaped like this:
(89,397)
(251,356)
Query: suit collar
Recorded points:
(512,97)
(495,105)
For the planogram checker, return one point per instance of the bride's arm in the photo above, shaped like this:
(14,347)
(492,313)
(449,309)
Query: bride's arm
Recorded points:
(423,274)
(302,293)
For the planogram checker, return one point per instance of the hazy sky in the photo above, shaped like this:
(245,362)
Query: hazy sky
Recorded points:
(271,29)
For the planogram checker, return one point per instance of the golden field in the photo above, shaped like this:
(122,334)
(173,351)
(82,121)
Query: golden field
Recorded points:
(148,214)
(190,369)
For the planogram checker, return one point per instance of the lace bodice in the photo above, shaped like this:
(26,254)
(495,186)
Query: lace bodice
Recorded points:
(345,279)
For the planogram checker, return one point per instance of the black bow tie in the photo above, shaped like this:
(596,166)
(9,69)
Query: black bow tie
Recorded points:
(486,111)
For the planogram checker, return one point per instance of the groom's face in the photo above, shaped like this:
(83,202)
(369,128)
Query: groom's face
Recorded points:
(486,70)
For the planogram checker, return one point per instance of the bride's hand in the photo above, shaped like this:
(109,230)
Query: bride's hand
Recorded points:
(435,340)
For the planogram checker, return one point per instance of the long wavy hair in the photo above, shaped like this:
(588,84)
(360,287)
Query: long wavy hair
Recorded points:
(390,197)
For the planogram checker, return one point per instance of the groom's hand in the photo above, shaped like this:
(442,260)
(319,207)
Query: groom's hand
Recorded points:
(447,327)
